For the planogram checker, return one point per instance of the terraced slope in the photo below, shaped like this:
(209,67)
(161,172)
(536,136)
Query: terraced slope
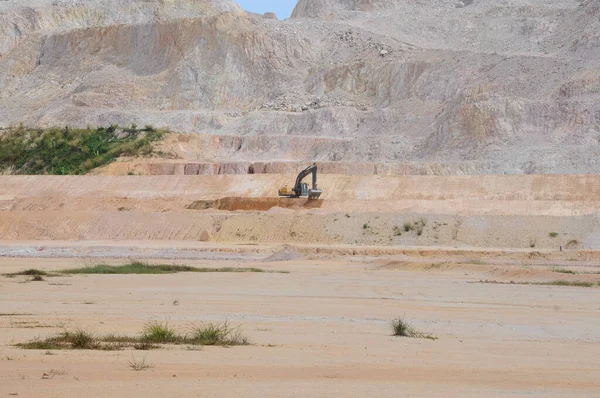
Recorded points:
(534,212)
(485,88)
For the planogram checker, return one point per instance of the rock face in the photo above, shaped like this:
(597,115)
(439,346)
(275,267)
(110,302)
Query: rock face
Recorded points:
(487,87)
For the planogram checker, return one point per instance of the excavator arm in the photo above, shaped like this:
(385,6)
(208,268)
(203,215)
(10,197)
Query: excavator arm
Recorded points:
(298,191)
(303,174)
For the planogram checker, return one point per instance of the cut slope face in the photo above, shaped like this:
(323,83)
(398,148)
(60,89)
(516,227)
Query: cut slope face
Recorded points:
(510,87)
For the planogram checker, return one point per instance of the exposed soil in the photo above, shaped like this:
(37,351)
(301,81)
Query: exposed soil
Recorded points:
(321,330)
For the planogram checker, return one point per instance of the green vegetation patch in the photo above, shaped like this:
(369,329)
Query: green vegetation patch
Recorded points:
(153,336)
(36,274)
(71,151)
(567,283)
(143,268)
(551,283)
(564,271)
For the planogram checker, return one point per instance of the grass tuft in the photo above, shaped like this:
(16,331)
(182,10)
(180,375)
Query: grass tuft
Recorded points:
(153,335)
(30,272)
(568,283)
(139,365)
(553,234)
(552,283)
(81,340)
(563,271)
(218,334)
(408,226)
(156,332)
(403,329)
(145,346)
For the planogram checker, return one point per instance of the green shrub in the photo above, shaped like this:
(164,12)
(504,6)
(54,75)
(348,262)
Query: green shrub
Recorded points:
(157,332)
(70,151)
(217,334)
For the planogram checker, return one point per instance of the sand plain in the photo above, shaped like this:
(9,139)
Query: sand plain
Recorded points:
(322,330)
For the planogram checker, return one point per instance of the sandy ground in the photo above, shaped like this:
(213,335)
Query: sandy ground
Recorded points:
(321,330)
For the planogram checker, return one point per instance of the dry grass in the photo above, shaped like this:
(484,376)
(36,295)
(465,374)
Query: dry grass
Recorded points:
(139,364)
(217,334)
(402,328)
(138,267)
(153,336)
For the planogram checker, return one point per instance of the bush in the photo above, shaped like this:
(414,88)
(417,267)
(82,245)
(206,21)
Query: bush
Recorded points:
(402,328)
(218,334)
(70,151)
(156,332)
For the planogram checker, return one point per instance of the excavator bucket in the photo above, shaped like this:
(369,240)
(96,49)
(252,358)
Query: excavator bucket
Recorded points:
(314,193)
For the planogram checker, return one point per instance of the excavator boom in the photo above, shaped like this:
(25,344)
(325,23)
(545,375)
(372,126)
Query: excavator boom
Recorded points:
(300,188)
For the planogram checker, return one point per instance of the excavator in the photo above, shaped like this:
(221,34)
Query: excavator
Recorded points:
(301,189)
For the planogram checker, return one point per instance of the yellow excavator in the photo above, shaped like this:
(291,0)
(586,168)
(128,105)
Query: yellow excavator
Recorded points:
(301,189)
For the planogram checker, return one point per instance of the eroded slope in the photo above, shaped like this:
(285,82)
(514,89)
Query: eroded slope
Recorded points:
(484,88)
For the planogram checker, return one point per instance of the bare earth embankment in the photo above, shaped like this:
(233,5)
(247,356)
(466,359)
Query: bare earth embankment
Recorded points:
(509,318)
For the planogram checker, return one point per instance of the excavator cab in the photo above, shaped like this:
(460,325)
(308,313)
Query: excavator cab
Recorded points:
(302,189)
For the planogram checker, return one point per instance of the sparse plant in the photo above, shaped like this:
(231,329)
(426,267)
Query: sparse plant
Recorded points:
(397,231)
(218,334)
(138,267)
(30,272)
(152,336)
(476,261)
(157,332)
(145,346)
(37,278)
(81,340)
(568,283)
(419,229)
(572,244)
(408,226)
(365,226)
(563,271)
(403,329)
(553,234)
(532,242)
(423,221)
(139,365)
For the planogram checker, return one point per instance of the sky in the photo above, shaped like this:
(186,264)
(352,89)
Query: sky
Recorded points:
(283,8)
